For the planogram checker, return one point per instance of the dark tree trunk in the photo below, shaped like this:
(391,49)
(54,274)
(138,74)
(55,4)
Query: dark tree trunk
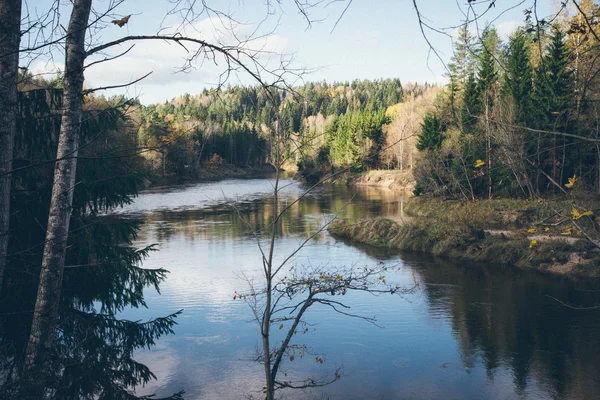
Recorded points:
(10,38)
(49,288)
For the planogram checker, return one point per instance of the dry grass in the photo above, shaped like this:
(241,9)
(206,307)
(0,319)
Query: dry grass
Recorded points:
(465,242)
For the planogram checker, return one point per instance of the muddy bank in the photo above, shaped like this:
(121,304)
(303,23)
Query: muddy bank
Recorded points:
(391,179)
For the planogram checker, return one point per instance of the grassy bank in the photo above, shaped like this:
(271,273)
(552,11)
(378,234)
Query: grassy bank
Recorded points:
(461,230)
(510,213)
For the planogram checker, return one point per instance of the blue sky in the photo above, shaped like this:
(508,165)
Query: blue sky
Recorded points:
(374,39)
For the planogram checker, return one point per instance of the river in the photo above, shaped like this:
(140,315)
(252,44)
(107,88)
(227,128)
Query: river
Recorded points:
(471,331)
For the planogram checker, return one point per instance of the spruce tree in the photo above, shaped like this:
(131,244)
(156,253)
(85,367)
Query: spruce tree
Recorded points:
(487,71)
(471,105)
(461,64)
(518,78)
(553,91)
(431,136)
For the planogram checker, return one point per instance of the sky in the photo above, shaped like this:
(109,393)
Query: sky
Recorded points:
(372,40)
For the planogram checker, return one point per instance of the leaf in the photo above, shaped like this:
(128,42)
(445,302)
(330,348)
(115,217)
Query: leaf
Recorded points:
(531,230)
(576,214)
(533,244)
(121,22)
(571,181)
(567,231)
(546,229)
(479,163)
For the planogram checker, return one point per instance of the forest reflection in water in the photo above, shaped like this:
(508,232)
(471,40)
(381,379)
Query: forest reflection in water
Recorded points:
(473,331)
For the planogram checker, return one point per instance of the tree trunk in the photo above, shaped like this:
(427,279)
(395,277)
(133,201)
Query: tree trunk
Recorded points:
(488,145)
(10,38)
(53,261)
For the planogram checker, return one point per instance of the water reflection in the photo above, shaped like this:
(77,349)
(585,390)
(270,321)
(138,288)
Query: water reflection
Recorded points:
(507,318)
(472,332)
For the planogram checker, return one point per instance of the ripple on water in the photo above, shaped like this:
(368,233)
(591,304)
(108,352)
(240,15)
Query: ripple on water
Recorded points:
(467,333)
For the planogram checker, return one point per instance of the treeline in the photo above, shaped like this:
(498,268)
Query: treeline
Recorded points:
(518,118)
(322,125)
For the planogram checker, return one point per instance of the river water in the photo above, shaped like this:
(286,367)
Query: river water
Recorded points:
(471,331)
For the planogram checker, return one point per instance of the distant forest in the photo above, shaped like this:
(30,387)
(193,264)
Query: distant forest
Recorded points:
(323,125)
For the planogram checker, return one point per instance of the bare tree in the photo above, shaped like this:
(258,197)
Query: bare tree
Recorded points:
(287,292)
(10,38)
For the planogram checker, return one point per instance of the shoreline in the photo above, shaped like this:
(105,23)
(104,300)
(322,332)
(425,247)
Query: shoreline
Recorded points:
(401,181)
(494,235)
(212,175)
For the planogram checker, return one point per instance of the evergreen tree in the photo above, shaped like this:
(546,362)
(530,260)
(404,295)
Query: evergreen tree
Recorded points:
(518,78)
(554,85)
(91,355)
(431,136)
(471,105)
(487,72)
(487,79)
(461,64)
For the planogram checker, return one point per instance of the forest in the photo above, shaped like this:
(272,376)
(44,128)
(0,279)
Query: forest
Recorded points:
(324,126)
(517,120)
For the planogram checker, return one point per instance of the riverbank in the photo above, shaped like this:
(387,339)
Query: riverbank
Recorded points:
(391,179)
(500,232)
(225,171)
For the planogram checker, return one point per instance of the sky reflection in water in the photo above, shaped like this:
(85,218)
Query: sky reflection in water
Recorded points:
(471,332)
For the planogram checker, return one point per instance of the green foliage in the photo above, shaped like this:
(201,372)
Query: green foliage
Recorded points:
(238,123)
(92,352)
(518,78)
(512,114)
(471,105)
(487,71)
(461,65)
(431,136)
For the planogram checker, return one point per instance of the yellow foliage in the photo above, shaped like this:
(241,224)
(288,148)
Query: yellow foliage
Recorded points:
(572,181)
(531,230)
(546,229)
(479,164)
(567,231)
(533,244)
(576,214)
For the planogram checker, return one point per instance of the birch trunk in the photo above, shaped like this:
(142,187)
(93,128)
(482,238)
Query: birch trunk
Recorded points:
(49,287)
(10,38)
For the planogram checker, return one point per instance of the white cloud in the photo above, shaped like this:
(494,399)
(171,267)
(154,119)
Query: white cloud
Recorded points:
(165,60)
(507,28)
